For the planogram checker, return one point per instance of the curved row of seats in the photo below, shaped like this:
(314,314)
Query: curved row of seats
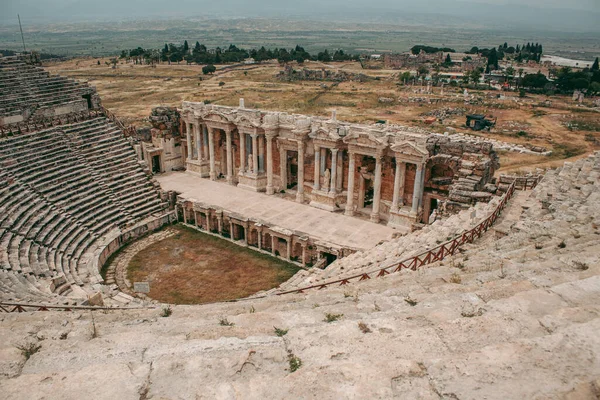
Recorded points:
(63,192)
(26,86)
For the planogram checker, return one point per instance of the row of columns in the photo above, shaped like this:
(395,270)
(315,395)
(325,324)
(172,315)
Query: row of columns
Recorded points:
(196,139)
(399,179)
(246,229)
(210,150)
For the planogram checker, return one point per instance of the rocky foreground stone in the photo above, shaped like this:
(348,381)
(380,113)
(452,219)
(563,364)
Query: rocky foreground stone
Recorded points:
(513,316)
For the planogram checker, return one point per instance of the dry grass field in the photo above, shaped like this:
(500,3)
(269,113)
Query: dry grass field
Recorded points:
(131,91)
(193,268)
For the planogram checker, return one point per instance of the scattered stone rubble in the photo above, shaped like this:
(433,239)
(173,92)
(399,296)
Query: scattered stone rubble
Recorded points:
(289,74)
(446,112)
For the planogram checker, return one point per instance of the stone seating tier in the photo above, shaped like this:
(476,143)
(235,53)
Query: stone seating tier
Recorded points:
(24,86)
(60,198)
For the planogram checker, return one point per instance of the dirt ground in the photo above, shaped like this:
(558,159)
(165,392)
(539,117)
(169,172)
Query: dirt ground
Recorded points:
(194,268)
(131,91)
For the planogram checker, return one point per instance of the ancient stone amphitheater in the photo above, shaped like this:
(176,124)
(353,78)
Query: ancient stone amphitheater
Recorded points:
(498,301)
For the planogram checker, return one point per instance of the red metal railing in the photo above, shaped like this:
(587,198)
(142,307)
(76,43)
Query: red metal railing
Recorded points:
(27,307)
(436,254)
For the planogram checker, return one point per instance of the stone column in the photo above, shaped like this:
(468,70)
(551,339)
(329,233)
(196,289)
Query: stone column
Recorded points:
(398,185)
(197,139)
(242,152)
(188,137)
(261,153)
(270,163)
(245,228)
(304,254)
(317,184)
(231,234)
(289,249)
(422,185)
(220,222)
(205,141)
(377,189)
(195,217)
(184,215)
(259,235)
(333,184)
(340,173)
(351,171)
(255,153)
(283,167)
(211,149)
(229,157)
(207,220)
(300,192)
(273,249)
(417,190)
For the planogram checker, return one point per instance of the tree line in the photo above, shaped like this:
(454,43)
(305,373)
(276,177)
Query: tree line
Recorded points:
(565,80)
(200,54)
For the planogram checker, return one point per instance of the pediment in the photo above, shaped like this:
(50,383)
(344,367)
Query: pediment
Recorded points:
(325,134)
(366,140)
(215,117)
(409,149)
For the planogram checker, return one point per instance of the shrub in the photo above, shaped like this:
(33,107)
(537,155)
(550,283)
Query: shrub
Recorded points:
(208,69)
(332,317)
(225,322)
(295,362)
(562,245)
(280,332)
(410,301)
(580,265)
(455,278)
(522,134)
(363,327)
(29,349)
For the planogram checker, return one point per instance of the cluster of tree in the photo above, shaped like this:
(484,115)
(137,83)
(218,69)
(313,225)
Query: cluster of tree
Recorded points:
(430,50)
(200,54)
(566,80)
(526,52)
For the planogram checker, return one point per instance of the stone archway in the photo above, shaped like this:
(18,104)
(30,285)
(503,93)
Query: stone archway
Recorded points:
(267,242)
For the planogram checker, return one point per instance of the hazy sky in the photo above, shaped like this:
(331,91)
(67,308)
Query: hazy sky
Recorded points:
(581,15)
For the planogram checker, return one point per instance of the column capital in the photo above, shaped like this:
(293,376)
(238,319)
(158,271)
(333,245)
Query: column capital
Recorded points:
(334,150)
(270,133)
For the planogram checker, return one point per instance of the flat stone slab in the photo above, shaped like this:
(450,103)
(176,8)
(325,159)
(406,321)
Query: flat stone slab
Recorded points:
(329,227)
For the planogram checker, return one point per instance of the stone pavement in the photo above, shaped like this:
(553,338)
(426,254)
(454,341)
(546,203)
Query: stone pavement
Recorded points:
(329,227)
